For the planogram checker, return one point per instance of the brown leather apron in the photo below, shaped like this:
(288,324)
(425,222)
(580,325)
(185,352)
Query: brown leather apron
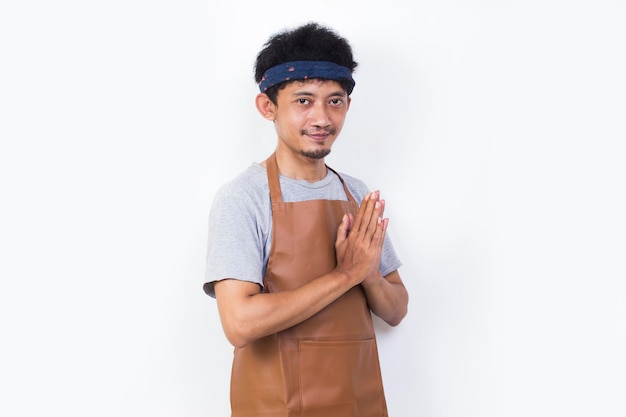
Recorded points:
(326,366)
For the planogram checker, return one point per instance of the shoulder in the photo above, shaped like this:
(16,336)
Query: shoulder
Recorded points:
(248,192)
(250,184)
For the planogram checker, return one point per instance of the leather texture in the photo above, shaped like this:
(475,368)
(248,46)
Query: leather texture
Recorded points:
(327,365)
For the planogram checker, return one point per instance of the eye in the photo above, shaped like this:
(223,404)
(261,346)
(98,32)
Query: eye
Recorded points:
(303,101)
(336,101)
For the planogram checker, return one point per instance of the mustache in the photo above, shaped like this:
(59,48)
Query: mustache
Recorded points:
(324,130)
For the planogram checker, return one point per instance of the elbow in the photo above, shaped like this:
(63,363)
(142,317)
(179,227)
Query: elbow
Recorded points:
(402,310)
(397,318)
(396,315)
(239,335)
(392,315)
(238,342)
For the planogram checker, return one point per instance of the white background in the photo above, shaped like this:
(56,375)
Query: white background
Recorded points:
(495,130)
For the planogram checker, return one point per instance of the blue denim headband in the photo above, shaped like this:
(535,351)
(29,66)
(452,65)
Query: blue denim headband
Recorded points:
(302,70)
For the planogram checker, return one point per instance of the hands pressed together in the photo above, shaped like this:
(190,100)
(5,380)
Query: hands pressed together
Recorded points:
(248,314)
(360,240)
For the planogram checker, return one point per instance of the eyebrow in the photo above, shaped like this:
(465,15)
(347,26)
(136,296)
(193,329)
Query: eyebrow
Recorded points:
(338,93)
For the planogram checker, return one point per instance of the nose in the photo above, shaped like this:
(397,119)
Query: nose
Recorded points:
(319,115)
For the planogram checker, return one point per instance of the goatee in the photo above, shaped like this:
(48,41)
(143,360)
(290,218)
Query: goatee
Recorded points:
(316,154)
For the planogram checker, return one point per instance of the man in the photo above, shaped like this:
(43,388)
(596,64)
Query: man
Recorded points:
(296,265)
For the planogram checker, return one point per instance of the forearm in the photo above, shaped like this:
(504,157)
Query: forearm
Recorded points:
(387,297)
(248,314)
(251,315)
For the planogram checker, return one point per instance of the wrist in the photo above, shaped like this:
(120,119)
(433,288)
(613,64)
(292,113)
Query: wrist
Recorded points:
(374,279)
(347,279)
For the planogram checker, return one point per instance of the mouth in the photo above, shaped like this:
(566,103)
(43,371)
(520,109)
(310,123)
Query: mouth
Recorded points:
(318,135)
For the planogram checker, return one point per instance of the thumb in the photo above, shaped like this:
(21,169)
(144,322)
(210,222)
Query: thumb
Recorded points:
(343,229)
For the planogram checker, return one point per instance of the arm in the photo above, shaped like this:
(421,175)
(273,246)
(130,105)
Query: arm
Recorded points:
(386,296)
(248,314)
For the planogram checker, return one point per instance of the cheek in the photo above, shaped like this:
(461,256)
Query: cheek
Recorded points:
(288,125)
(339,119)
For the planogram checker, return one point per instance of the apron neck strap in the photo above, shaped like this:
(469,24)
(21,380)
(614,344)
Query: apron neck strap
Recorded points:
(345,188)
(274,182)
(272,178)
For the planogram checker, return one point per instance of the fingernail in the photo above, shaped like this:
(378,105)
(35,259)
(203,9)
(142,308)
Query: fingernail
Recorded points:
(377,205)
(380,219)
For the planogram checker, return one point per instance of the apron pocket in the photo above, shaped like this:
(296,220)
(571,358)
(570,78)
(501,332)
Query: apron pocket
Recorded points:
(340,379)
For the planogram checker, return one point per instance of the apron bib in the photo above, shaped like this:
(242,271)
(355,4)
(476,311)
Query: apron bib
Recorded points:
(326,366)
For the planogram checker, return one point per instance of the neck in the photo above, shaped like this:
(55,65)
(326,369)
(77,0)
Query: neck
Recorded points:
(299,167)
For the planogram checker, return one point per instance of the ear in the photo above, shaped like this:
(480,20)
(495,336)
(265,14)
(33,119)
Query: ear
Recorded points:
(266,108)
(349,101)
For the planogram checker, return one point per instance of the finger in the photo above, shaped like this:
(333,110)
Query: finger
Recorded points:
(385,225)
(364,216)
(382,209)
(381,212)
(361,213)
(378,237)
(375,215)
(375,220)
(343,229)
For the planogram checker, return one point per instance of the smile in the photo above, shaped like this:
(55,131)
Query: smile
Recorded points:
(318,135)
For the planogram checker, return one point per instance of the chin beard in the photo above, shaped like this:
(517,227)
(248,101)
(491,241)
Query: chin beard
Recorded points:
(316,154)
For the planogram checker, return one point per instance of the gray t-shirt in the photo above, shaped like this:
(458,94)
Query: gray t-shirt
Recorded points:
(240,223)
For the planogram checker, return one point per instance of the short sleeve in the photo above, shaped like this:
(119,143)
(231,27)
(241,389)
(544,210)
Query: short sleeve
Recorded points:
(235,240)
